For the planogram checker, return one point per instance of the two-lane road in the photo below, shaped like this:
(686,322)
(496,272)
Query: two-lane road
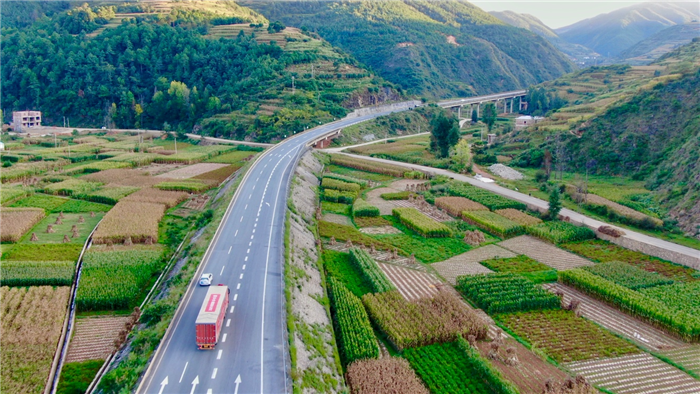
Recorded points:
(246,254)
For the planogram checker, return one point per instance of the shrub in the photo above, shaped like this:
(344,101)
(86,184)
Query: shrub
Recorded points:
(395,196)
(136,220)
(17,221)
(428,320)
(628,275)
(362,208)
(420,223)
(485,197)
(506,292)
(37,273)
(113,280)
(329,183)
(682,323)
(354,332)
(371,272)
(362,182)
(333,195)
(519,217)
(560,232)
(71,186)
(456,205)
(493,222)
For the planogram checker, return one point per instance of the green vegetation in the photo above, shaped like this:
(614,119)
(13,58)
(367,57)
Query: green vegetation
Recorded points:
(628,275)
(71,186)
(109,195)
(518,265)
(344,233)
(682,322)
(560,232)
(603,251)
(375,221)
(354,332)
(9,194)
(465,373)
(48,203)
(368,166)
(484,197)
(334,207)
(348,179)
(371,272)
(234,157)
(489,115)
(444,134)
(422,224)
(70,221)
(37,273)
(347,171)
(395,196)
(565,337)
(113,280)
(77,206)
(681,297)
(333,195)
(77,376)
(184,185)
(506,292)
(362,208)
(329,183)
(493,222)
(43,252)
(339,266)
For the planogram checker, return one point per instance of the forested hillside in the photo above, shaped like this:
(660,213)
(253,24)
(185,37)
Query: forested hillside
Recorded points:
(660,43)
(182,69)
(435,49)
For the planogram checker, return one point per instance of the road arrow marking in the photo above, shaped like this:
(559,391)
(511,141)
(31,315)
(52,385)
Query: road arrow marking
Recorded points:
(238,381)
(163,384)
(195,382)
(268,204)
(183,372)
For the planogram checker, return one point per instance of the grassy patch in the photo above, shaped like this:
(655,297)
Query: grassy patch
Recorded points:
(48,203)
(517,264)
(370,176)
(65,228)
(335,207)
(77,206)
(44,252)
(339,266)
(76,377)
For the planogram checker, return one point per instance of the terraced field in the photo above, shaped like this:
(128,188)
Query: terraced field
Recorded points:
(411,284)
(636,374)
(468,263)
(687,356)
(544,252)
(93,338)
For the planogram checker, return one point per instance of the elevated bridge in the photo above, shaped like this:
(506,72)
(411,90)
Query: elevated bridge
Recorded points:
(507,98)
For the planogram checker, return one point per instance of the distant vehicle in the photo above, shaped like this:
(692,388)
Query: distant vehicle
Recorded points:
(211,316)
(206,279)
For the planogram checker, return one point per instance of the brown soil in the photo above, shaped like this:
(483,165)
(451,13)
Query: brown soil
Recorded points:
(93,338)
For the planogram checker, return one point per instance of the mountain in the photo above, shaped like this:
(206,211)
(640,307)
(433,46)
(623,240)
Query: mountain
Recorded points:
(579,54)
(660,43)
(215,68)
(434,49)
(610,34)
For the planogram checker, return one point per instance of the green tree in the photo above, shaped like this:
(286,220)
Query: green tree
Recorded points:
(475,116)
(275,27)
(489,116)
(554,204)
(462,156)
(444,134)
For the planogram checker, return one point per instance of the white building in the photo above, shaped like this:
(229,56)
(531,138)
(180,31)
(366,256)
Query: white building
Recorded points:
(522,122)
(25,119)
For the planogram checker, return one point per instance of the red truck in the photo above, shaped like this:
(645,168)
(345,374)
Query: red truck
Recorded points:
(211,316)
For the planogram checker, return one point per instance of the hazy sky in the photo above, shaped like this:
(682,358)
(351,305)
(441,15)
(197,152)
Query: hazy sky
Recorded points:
(560,13)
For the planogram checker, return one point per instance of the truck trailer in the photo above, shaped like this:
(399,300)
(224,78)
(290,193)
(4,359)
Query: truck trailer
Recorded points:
(211,316)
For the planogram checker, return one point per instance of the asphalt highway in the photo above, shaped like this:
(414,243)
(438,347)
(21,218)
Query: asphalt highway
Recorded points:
(246,254)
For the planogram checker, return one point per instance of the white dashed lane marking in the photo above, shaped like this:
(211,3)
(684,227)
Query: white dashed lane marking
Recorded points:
(235,297)
(232,306)
(228,322)
(218,356)
(223,339)
(238,286)
(213,374)
(241,277)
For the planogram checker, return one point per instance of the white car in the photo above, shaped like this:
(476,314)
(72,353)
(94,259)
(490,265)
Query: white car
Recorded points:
(205,279)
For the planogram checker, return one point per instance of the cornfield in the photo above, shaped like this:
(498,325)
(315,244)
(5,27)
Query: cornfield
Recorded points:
(185,185)
(354,332)
(108,195)
(97,166)
(362,208)
(519,217)
(456,205)
(32,320)
(422,224)
(560,232)
(506,292)
(385,375)
(26,170)
(329,183)
(17,221)
(371,273)
(136,220)
(373,166)
(157,196)
(345,178)
(490,200)
(423,322)
(493,222)
(71,186)
(37,273)
(333,195)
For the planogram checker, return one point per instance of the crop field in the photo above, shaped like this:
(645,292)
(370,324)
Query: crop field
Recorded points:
(456,205)
(219,175)
(63,227)
(362,208)
(37,273)
(77,376)
(422,224)
(362,182)
(465,373)
(17,221)
(335,207)
(191,170)
(628,275)
(12,193)
(395,196)
(157,196)
(388,374)
(493,223)
(109,194)
(412,284)
(519,217)
(564,336)
(560,232)
(371,273)
(339,267)
(344,233)
(123,177)
(681,296)
(71,186)
(235,157)
(358,174)
(330,183)
(43,201)
(20,171)
(43,252)
(108,164)
(603,251)
(135,220)
(442,318)
(609,208)
(195,154)
(342,197)
(506,292)
(368,166)
(113,280)
(376,221)
(490,200)
(353,329)
(468,263)
(427,250)
(79,206)
(32,318)
(523,265)
(185,185)
(544,252)
(93,338)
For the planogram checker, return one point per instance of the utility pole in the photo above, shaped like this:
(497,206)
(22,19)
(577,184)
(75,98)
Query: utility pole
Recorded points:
(55,143)
(175,138)
(292,84)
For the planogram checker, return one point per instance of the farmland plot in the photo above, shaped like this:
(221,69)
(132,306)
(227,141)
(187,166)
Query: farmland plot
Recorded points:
(468,263)
(411,284)
(32,319)
(17,221)
(687,356)
(636,374)
(135,220)
(379,376)
(544,253)
(191,171)
(93,337)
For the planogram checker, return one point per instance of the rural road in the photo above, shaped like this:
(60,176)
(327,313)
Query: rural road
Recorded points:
(692,254)
(247,255)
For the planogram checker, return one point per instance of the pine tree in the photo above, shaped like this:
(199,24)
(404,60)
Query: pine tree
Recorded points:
(554,204)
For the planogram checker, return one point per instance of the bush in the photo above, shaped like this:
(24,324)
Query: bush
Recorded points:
(356,340)
(500,293)
(362,208)
(493,222)
(371,272)
(422,224)
(560,232)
